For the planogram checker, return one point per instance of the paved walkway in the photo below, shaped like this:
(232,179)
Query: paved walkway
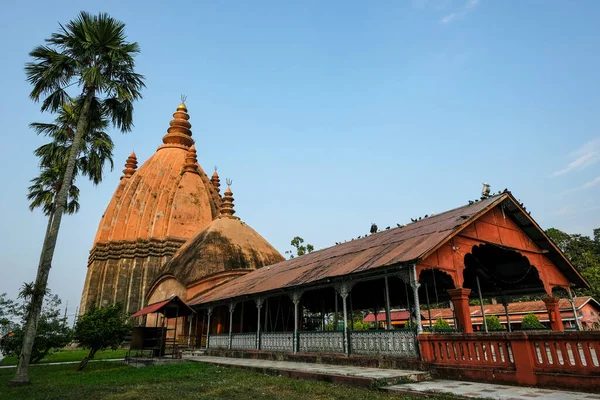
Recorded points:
(357,376)
(489,391)
(60,363)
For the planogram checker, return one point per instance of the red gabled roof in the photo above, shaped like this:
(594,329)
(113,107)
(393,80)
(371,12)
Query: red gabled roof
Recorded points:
(170,308)
(400,315)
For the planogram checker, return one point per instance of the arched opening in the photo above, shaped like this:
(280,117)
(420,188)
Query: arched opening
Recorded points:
(500,272)
(434,298)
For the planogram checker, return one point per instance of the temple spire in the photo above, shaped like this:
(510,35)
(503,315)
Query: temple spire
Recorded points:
(216,181)
(130,166)
(227,210)
(191,161)
(179,133)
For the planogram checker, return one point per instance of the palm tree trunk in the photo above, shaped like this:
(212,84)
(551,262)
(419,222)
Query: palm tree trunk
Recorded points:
(41,280)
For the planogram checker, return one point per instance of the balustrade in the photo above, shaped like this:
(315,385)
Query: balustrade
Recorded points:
(389,342)
(243,341)
(321,342)
(220,341)
(277,341)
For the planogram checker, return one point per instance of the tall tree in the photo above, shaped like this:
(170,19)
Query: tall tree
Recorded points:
(89,54)
(96,151)
(584,254)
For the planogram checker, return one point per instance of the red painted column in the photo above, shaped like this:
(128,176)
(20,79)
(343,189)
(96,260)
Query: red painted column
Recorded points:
(523,357)
(554,313)
(460,299)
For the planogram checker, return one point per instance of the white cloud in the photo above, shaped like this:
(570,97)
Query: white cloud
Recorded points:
(448,18)
(468,6)
(586,156)
(471,3)
(591,183)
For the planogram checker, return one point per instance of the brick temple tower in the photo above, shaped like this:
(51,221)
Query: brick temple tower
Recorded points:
(154,210)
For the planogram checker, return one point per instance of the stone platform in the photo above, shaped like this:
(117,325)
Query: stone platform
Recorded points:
(343,374)
(472,390)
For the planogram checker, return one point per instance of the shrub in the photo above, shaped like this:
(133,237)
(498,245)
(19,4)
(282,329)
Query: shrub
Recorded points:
(493,323)
(530,321)
(441,325)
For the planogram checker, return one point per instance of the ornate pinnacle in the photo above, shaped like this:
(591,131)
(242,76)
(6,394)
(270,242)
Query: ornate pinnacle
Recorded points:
(227,210)
(216,181)
(191,161)
(130,166)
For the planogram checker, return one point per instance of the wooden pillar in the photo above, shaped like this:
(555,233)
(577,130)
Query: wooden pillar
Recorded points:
(554,313)
(505,304)
(481,303)
(231,310)
(296,300)
(572,301)
(414,283)
(258,307)
(388,316)
(335,314)
(208,313)
(344,292)
(460,299)
(428,309)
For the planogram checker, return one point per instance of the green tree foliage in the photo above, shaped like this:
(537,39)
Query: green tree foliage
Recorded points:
(101,328)
(493,323)
(441,325)
(299,248)
(584,254)
(53,333)
(90,56)
(531,321)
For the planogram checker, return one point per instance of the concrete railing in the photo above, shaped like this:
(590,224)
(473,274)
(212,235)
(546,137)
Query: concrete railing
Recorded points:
(560,359)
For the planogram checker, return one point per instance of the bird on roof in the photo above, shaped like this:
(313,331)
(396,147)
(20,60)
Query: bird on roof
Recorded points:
(485,191)
(413,220)
(426,215)
(374,228)
(387,228)
(471,202)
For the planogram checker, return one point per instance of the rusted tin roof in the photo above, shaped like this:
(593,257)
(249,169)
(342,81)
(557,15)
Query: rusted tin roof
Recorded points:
(384,249)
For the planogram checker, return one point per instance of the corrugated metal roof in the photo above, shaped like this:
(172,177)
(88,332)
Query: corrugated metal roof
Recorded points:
(397,246)
(387,248)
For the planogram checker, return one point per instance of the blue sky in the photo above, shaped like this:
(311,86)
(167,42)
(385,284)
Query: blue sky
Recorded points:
(331,115)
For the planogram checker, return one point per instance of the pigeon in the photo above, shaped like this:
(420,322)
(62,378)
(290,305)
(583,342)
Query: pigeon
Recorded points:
(413,220)
(471,202)
(426,215)
(387,228)
(374,228)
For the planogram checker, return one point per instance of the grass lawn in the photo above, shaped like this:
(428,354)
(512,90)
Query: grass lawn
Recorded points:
(110,380)
(71,355)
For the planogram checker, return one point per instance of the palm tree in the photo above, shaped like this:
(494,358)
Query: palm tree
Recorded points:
(96,150)
(90,54)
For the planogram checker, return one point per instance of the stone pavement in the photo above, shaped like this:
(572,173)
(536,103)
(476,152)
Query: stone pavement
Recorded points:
(350,375)
(488,391)
(61,363)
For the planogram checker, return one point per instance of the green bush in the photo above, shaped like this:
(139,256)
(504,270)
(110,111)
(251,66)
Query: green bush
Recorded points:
(493,323)
(441,325)
(530,321)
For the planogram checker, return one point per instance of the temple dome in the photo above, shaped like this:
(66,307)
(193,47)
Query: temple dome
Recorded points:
(226,245)
(169,196)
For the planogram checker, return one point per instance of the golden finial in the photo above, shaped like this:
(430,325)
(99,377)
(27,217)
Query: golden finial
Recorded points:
(179,133)
(130,166)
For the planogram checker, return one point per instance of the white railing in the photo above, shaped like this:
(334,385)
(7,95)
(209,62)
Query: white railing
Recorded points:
(321,342)
(277,341)
(218,341)
(386,342)
(243,341)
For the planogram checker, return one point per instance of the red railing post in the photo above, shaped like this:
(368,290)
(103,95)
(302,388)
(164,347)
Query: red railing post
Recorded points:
(523,357)
(460,299)
(425,347)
